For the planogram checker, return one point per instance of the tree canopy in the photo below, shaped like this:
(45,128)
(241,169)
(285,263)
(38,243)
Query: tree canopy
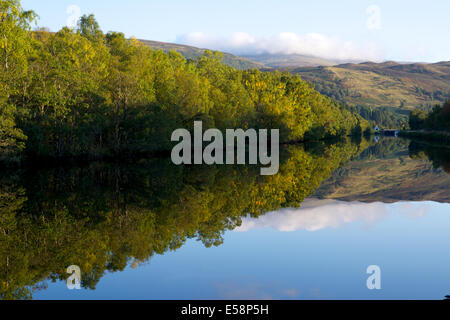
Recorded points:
(82,93)
(437,119)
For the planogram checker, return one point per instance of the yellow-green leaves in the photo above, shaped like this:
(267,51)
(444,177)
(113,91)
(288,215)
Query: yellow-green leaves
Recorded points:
(82,93)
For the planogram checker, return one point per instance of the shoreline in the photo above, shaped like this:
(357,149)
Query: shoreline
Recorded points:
(125,156)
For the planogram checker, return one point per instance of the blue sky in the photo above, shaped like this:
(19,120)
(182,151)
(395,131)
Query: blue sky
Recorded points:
(347,29)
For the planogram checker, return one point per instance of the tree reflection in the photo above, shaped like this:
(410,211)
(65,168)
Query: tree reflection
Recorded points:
(439,155)
(102,217)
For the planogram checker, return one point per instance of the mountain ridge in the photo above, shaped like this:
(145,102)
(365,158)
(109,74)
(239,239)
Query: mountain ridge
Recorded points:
(190,52)
(395,88)
(387,84)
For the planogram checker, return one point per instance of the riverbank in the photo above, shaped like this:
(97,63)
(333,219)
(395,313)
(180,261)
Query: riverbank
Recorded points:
(127,156)
(438,136)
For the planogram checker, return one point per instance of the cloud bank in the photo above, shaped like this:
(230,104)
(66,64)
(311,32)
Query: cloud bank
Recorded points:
(311,44)
(318,214)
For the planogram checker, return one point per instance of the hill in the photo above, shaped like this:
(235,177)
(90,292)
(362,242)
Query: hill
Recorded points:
(189,52)
(382,92)
(278,61)
(389,84)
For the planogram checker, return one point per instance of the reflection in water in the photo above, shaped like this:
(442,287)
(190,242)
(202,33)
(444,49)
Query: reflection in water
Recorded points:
(439,156)
(104,217)
(316,214)
(390,171)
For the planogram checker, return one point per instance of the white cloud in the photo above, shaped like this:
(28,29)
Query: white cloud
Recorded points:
(74,13)
(311,44)
(318,214)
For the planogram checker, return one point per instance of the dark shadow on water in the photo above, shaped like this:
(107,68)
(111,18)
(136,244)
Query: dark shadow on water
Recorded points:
(439,155)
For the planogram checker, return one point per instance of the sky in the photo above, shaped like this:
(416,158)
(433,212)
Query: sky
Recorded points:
(376,30)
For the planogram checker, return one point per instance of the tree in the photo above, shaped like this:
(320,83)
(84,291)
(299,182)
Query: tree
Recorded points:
(79,93)
(89,28)
(12,139)
(417,119)
(445,115)
(14,47)
(14,43)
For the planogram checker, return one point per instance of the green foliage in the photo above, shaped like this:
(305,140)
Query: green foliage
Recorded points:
(417,119)
(12,139)
(80,93)
(88,27)
(192,53)
(437,119)
(389,118)
(14,42)
(14,50)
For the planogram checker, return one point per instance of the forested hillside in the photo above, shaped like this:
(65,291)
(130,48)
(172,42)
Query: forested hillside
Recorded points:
(384,92)
(278,61)
(83,93)
(388,84)
(437,119)
(190,52)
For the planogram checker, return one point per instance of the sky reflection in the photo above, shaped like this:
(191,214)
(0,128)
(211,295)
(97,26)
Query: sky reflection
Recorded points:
(320,251)
(316,214)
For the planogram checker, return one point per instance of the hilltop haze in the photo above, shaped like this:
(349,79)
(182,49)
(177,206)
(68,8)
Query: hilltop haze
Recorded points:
(260,61)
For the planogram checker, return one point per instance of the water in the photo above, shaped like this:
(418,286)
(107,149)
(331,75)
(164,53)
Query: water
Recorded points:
(155,231)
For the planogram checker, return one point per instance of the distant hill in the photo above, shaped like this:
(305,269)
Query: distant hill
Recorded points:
(382,92)
(387,173)
(389,84)
(260,61)
(278,61)
(189,52)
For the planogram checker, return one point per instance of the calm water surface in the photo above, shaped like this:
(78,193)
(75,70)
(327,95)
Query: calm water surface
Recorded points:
(155,231)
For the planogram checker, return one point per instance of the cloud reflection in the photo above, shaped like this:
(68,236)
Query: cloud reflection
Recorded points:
(316,214)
